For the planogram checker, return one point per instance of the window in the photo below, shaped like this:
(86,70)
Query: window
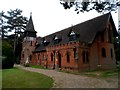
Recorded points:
(103,52)
(75,53)
(22,55)
(30,43)
(42,56)
(111,51)
(38,56)
(72,36)
(85,57)
(51,57)
(45,42)
(56,40)
(68,57)
(72,33)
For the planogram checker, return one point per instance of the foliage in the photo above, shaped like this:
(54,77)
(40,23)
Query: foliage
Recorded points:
(7,53)
(16,78)
(88,5)
(37,66)
(18,49)
(13,20)
(117,47)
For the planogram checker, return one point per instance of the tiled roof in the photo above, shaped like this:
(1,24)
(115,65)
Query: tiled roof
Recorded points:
(85,31)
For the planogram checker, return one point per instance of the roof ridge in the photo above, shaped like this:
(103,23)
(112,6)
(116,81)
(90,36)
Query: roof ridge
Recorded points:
(79,24)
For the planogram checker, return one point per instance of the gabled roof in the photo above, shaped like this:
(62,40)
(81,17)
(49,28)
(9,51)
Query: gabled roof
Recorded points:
(86,31)
(30,26)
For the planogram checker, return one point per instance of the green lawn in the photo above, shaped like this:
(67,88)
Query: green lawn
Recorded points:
(37,66)
(16,78)
(96,73)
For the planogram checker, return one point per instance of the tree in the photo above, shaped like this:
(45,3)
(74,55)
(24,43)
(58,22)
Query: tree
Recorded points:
(12,21)
(88,5)
(7,54)
(117,45)
(2,24)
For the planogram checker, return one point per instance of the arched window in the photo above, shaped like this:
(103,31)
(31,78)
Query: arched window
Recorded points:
(43,56)
(22,55)
(51,57)
(85,57)
(103,52)
(75,53)
(111,51)
(68,57)
(38,56)
(30,43)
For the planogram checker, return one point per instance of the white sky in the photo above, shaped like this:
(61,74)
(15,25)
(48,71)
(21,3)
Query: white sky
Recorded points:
(48,15)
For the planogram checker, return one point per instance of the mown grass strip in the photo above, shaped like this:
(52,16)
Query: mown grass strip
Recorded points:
(16,78)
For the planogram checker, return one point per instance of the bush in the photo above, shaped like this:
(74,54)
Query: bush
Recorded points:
(7,54)
(118,67)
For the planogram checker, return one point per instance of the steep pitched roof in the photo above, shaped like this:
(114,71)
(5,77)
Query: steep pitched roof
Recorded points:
(30,26)
(86,31)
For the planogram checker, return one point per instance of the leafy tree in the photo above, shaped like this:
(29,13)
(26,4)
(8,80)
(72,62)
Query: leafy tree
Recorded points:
(88,5)
(7,54)
(12,21)
(117,45)
(2,24)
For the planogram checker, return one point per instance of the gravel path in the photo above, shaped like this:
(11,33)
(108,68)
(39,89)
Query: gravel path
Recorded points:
(65,80)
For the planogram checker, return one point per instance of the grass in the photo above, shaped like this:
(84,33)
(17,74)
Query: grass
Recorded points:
(0,78)
(16,78)
(96,73)
(102,74)
(37,66)
(92,73)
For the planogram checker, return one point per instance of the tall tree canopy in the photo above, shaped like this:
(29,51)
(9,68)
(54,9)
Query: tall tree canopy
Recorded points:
(88,5)
(13,20)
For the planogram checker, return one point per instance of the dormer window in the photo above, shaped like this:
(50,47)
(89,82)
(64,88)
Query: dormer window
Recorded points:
(72,36)
(56,40)
(45,42)
(72,33)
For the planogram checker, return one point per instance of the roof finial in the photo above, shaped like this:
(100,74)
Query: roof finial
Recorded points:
(71,25)
(30,13)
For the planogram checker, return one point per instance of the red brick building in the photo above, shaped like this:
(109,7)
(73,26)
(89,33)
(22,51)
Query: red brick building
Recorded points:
(85,46)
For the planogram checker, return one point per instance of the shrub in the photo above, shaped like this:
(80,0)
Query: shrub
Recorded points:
(7,53)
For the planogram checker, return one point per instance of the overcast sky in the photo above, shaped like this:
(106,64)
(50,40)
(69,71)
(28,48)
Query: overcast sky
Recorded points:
(48,15)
